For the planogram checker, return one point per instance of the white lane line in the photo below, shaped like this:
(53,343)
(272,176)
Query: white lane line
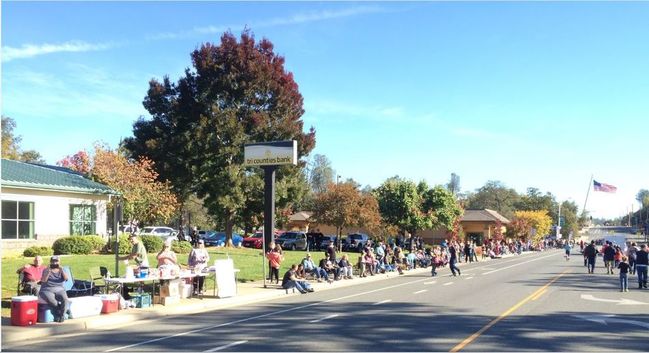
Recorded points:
(216,349)
(431,282)
(264,315)
(420,291)
(518,264)
(382,302)
(324,318)
(469,277)
(447,284)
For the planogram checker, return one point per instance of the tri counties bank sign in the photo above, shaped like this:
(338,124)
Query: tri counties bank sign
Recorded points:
(270,153)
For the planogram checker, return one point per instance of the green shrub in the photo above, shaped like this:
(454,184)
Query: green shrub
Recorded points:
(74,244)
(152,243)
(38,251)
(124,245)
(96,242)
(181,247)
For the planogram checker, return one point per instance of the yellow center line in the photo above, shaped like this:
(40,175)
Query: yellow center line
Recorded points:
(539,295)
(538,292)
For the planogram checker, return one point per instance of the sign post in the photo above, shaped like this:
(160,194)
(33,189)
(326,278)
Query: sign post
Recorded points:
(269,155)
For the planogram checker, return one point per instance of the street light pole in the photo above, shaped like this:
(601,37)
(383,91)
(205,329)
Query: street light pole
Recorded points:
(558,235)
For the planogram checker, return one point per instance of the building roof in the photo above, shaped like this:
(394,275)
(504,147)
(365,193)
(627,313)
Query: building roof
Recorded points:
(302,216)
(485,215)
(48,177)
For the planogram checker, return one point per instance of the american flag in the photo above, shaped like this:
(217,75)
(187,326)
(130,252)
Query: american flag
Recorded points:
(603,187)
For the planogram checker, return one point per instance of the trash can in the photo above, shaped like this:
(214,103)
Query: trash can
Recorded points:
(24,310)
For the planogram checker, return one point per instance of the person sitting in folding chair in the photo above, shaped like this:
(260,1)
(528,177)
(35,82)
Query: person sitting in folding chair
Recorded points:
(31,277)
(53,290)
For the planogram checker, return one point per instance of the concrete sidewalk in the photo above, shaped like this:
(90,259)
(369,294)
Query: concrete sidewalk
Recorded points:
(251,292)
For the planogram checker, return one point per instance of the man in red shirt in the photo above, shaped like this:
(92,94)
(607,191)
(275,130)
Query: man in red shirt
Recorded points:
(32,274)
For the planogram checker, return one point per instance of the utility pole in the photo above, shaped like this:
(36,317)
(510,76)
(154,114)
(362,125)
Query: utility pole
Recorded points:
(559,223)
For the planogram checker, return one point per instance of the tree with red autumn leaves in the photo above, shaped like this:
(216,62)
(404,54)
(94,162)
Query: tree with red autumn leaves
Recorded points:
(238,92)
(144,198)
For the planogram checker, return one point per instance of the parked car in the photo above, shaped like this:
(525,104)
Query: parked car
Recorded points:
(292,241)
(323,242)
(218,239)
(158,231)
(355,242)
(254,241)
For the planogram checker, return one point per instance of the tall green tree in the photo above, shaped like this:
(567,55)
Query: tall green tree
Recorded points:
(454,184)
(321,173)
(11,144)
(496,196)
(441,204)
(534,200)
(400,204)
(237,92)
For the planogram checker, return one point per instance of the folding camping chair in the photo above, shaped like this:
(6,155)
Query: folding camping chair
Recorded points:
(98,282)
(76,288)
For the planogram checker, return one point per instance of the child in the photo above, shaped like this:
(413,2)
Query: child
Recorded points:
(624,270)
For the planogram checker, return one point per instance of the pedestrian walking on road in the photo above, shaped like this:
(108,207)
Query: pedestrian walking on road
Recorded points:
(590,252)
(642,262)
(623,266)
(567,248)
(453,251)
(631,254)
(609,256)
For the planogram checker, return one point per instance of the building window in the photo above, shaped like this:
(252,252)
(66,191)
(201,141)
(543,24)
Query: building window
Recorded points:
(17,220)
(83,219)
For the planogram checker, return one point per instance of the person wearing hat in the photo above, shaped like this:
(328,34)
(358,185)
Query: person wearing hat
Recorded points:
(197,260)
(310,267)
(138,252)
(52,289)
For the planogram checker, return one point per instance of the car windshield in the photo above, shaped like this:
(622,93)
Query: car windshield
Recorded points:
(147,229)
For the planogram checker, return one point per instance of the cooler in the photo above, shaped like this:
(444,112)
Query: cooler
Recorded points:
(110,303)
(24,310)
(44,313)
(85,306)
(141,300)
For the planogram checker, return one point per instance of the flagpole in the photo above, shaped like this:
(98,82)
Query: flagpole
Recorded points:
(590,183)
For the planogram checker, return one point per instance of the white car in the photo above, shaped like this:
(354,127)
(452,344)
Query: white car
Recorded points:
(158,231)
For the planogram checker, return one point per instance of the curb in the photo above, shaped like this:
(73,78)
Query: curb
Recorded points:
(127,318)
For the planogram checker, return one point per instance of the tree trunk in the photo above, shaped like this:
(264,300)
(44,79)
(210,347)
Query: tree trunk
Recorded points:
(229,224)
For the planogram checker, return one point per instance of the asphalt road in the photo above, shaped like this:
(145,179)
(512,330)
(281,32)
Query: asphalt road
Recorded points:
(535,302)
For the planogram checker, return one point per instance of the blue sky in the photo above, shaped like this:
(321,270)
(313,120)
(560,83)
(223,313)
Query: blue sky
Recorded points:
(539,94)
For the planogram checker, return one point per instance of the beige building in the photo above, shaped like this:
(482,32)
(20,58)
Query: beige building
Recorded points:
(41,203)
(477,225)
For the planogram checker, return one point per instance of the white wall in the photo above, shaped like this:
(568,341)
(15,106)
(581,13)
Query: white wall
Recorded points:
(52,211)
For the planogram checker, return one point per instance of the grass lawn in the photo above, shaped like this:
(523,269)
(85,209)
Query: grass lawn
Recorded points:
(249,261)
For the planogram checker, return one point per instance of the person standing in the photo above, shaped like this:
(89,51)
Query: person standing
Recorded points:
(590,253)
(53,291)
(642,262)
(631,254)
(453,260)
(609,257)
(197,260)
(275,261)
(623,266)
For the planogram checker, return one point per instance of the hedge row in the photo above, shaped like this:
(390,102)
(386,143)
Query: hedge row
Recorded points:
(38,251)
(89,244)
(78,244)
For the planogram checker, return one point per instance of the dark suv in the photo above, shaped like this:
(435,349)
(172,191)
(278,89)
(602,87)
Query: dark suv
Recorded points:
(355,242)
